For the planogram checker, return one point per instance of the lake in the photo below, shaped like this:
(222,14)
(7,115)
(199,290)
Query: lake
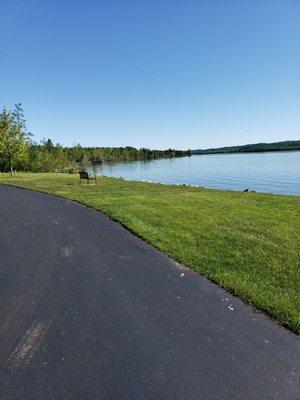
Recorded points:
(276,172)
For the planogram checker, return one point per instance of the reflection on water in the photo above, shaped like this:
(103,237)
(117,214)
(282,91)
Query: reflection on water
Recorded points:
(276,172)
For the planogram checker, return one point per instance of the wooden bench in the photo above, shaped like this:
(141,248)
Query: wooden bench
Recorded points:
(87,177)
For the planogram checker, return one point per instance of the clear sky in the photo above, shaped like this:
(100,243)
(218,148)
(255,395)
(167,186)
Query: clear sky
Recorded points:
(157,73)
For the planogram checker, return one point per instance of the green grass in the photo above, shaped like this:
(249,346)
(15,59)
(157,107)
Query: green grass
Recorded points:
(247,242)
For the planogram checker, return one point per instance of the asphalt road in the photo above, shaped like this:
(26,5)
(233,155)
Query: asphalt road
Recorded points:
(89,311)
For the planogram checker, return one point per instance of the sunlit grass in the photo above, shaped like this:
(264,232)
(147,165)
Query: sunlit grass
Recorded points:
(247,242)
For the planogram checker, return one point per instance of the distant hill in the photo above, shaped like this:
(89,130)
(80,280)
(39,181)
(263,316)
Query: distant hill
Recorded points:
(249,148)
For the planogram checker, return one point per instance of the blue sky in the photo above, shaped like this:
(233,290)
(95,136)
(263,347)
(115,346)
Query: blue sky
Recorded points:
(158,74)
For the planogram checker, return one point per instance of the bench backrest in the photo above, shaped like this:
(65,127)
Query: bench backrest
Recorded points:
(83,175)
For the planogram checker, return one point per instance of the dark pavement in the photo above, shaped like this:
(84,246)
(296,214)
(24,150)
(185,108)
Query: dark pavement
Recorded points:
(89,311)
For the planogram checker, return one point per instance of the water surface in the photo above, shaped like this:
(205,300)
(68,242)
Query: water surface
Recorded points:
(276,172)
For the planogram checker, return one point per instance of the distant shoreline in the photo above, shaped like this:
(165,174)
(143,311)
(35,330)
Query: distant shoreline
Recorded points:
(245,152)
(288,145)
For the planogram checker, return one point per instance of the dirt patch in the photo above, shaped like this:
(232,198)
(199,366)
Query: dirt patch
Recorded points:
(29,344)
(67,251)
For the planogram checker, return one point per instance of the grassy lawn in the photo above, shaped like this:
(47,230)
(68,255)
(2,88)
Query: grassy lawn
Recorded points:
(247,242)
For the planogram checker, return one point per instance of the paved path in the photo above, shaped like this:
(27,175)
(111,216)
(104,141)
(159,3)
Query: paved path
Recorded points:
(89,311)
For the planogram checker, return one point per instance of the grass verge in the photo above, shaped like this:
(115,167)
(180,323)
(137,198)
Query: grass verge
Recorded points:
(246,242)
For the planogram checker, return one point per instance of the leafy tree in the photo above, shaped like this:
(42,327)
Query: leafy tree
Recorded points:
(14,140)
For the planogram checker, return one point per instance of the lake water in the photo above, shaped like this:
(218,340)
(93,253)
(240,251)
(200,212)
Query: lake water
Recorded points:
(276,172)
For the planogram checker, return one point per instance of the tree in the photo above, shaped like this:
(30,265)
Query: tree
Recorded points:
(49,146)
(18,117)
(14,140)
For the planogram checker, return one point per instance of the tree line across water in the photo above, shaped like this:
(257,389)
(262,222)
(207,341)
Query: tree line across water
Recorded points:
(19,152)
(252,148)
